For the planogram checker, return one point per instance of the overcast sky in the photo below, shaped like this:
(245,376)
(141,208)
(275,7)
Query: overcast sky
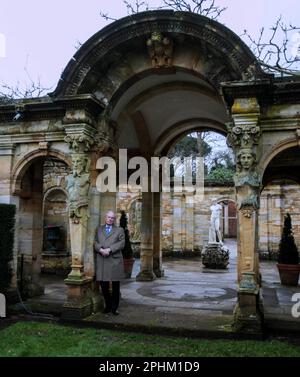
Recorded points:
(42,35)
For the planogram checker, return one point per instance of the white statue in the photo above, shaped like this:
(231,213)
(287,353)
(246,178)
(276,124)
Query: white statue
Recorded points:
(214,230)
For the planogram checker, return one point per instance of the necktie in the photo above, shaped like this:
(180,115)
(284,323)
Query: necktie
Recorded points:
(107,230)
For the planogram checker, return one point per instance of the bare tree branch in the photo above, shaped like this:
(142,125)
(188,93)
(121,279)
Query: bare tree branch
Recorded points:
(204,7)
(275,50)
(32,89)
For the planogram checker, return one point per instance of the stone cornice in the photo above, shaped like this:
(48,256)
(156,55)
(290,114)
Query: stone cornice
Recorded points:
(48,108)
(268,91)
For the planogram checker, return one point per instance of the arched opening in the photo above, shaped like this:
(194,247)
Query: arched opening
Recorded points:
(56,256)
(280,195)
(36,181)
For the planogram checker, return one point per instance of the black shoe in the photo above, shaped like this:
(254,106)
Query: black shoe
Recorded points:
(106,310)
(115,312)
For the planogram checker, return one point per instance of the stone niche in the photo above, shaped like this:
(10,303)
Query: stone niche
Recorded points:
(56,255)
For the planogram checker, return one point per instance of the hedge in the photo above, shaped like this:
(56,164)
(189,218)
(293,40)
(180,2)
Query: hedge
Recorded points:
(7,223)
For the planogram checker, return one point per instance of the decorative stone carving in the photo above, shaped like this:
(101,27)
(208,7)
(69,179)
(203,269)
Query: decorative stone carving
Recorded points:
(78,184)
(242,136)
(246,174)
(105,137)
(75,141)
(160,49)
(43,145)
(215,256)
(249,205)
(251,73)
(248,282)
(214,230)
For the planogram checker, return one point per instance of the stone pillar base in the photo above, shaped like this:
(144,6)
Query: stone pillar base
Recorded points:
(145,276)
(159,273)
(248,313)
(97,298)
(80,302)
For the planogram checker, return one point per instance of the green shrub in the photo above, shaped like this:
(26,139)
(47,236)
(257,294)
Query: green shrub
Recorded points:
(127,251)
(288,252)
(7,223)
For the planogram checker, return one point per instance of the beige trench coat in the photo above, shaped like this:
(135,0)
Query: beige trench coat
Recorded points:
(110,268)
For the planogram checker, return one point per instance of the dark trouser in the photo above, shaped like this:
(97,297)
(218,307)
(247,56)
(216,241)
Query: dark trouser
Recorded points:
(111,299)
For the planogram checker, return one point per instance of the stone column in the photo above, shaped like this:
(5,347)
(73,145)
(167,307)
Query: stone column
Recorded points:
(177,219)
(146,273)
(189,222)
(79,303)
(244,134)
(157,250)
(7,152)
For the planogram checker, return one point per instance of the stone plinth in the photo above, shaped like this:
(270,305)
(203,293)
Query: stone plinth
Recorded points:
(79,303)
(215,256)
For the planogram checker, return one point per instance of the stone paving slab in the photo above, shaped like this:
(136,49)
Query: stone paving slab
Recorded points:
(188,299)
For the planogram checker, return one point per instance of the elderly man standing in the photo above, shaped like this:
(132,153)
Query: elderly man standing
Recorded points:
(108,245)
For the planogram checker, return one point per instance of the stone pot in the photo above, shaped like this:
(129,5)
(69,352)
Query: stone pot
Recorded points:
(128,266)
(289,274)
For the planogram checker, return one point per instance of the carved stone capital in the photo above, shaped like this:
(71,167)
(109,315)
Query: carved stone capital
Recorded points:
(79,142)
(243,135)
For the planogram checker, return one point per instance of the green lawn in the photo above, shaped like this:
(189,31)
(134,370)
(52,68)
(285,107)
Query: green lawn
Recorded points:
(46,339)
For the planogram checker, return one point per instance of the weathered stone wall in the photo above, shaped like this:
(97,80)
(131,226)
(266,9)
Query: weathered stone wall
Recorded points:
(185,222)
(277,199)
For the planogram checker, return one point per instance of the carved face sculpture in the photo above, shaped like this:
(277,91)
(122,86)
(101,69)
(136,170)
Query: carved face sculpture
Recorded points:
(246,159)
(78,166)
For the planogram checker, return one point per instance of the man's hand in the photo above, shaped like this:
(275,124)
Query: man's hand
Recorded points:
(104,252)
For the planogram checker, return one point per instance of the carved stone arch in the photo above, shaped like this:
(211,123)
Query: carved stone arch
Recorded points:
(179,130)
(134,31)
(26,161)
(278,148)
(51,190)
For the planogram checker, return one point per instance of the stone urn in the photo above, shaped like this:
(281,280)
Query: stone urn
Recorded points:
(215,256)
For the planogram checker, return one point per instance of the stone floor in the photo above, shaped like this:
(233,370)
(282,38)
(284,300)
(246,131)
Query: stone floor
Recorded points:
(189,298)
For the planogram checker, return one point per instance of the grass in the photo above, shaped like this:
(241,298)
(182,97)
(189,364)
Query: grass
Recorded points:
(47,339)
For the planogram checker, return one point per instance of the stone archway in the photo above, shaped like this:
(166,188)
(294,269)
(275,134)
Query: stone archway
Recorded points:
(125,89)
(29,187)
(150,95)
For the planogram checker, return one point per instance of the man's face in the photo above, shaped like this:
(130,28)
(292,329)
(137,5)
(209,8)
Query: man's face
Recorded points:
(110,218)
(247,160)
